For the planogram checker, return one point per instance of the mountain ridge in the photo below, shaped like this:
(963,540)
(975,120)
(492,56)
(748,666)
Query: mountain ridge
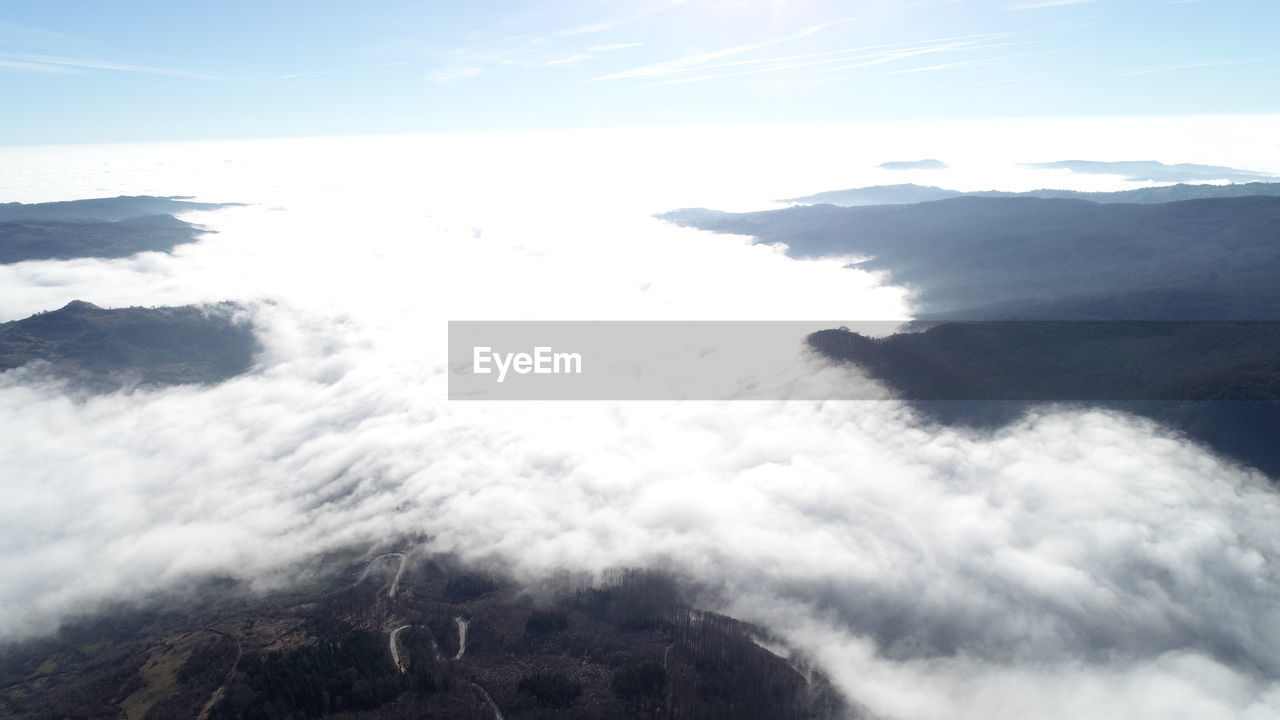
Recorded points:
(908,193)
(105,349)
(97,228)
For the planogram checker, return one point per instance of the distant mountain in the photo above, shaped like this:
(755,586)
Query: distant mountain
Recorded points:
(1152,171)
(109,348)
(927,164)
(908,193)
(1217,382)
(101,228)
(989,259)
(1211,259)
(1072,361)
(56,240)
(877,195)
(124,207)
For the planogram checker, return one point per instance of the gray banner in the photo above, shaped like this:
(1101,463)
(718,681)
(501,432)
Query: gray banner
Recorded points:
(831,360)
(648,360)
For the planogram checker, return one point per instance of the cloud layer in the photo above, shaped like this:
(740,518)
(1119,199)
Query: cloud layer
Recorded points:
(1079,564)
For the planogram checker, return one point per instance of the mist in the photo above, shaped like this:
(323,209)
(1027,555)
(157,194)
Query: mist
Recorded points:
(1077,563)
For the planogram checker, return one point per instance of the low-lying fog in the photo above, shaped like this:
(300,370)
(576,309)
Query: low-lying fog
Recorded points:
(1079,564)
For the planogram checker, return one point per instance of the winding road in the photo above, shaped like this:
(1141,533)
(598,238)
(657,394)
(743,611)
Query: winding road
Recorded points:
(394,634)
(463,623)
(222,689)
(497,713)
(395,582)
(462,636)
(395,651)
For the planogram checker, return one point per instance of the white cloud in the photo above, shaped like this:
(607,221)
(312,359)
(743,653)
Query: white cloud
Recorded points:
(570,59)
(829,62)
(1177,67)
(36,67)
(614,46)
(453,73)
(1038,4)
(692,63)
(53,63)
(1078,564)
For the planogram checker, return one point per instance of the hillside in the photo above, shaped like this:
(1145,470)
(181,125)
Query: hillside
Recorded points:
(926,164)
(1211,259)
(100,227)
(909,193)
(405,636)
(104,349)
(112,209)
(1162,310)
(1152,171)
(1218,383)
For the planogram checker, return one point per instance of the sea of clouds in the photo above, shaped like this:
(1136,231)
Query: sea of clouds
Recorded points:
(1078,564)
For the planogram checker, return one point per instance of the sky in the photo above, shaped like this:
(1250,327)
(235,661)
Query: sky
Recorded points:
(73,71)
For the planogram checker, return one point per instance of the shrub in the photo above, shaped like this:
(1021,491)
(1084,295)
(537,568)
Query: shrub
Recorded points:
(551,689)
(637,682)
(543,622)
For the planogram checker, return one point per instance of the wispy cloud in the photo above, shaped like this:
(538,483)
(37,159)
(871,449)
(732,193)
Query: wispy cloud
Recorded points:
(333,71)
(570,59)
(20,66)
(592,52)
(911,50)
(394,45)
(963,63)
(534,49)
(1037,4)
(54,63)
(944,66)
(1152,69)
(453,73)
(702,61)
(292,76)
(614,46)
(618,21)
(14,34)
(830,62)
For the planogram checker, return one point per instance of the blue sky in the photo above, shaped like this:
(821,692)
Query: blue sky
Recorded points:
(89,71)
